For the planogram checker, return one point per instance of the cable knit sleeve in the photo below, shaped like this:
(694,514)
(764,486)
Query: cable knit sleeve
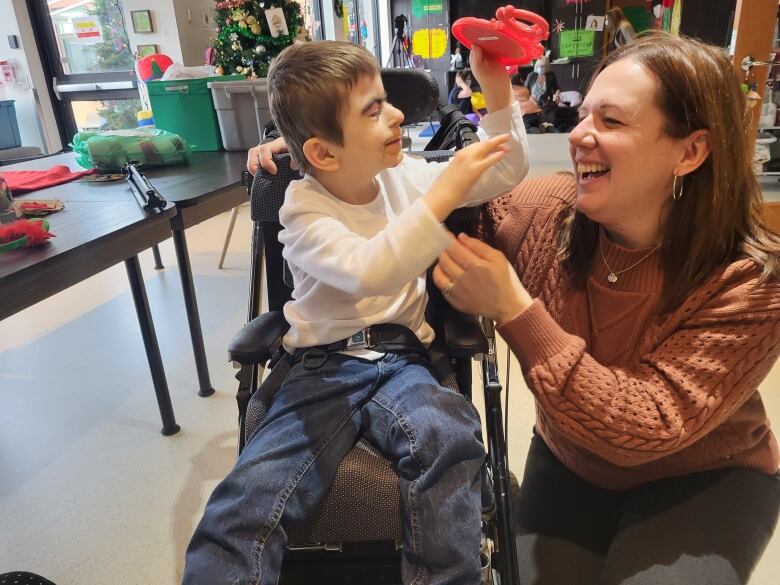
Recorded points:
(710,358)
(505,221)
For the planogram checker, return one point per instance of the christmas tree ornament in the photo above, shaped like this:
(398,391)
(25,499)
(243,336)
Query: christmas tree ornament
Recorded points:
(239,17)
(239,69)
(302,36)
(152,67)
(260,50)
(219,70)
(250,20)
(277,24)
(255,28)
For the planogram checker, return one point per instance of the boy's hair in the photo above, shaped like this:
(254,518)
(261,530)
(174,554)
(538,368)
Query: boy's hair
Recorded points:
(308,86)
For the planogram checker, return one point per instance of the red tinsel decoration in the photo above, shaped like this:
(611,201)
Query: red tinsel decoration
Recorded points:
(34,230)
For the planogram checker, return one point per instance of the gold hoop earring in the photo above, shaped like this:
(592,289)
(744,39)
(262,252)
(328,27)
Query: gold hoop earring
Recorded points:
(677,195)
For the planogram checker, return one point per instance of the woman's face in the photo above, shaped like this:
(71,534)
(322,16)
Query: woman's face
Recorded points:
(623,161)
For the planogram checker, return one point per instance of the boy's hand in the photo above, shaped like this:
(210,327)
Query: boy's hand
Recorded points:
(451,188)
(260,156)
(493,79)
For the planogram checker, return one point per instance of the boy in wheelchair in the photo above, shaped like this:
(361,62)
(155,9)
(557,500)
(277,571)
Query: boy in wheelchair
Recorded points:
(360,230)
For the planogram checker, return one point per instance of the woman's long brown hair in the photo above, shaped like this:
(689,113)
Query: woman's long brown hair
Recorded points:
(719,217)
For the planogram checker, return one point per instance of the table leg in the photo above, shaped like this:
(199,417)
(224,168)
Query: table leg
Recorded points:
(191,305)
(158,265)
(151,346)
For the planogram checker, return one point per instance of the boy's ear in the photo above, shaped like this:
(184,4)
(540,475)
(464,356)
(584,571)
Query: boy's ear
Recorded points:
(321,155)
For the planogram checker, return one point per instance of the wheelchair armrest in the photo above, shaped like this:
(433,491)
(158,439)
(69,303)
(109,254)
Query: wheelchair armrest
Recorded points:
(463,336)
(257,341)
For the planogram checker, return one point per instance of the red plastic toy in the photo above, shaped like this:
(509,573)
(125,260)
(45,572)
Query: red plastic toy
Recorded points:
(513,38)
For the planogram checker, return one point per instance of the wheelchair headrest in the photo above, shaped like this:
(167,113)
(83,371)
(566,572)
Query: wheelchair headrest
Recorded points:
(413,91)
(268,190)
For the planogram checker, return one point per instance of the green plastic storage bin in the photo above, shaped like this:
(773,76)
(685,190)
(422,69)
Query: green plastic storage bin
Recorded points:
(185,107)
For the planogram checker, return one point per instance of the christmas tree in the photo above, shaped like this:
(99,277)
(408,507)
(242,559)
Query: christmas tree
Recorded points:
(112,53)
(252,32)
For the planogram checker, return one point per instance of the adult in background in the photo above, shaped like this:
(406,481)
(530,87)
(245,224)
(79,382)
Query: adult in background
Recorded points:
(619,29)
(543,84)
(532,113)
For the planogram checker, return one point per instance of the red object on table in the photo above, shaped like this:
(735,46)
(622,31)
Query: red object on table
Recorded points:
(36,232)
(513,38)
(26,181)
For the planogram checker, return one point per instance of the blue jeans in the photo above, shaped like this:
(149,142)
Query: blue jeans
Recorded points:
(431,433)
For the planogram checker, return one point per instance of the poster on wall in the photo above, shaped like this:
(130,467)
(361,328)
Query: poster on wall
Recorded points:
(576,43)
(87,30)
(422,8)
(595,23)
(429,43)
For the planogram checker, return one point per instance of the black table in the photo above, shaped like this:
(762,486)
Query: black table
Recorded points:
(208,186)
(101,225)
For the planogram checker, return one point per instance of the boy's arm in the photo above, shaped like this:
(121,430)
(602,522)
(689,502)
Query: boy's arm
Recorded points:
(492,78)
(504,117)
(498,179)
(321,245)
(318,238)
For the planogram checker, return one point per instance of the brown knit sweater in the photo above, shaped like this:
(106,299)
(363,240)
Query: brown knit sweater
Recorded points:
(624,394)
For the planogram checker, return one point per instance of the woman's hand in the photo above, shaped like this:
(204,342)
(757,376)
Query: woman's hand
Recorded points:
(483,281)
(260,156)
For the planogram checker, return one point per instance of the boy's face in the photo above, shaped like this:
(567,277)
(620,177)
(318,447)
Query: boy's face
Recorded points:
(372,131)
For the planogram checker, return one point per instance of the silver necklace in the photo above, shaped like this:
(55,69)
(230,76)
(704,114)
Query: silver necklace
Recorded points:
(612,277)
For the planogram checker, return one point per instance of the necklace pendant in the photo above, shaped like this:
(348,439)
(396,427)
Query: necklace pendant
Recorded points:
(612,277)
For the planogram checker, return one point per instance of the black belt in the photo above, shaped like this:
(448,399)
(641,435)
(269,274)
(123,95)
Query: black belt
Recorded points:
(385,338)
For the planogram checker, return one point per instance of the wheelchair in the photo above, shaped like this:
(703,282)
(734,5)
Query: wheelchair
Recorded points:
(355,535)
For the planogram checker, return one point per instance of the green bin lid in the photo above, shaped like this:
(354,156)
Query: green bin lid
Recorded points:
(187,86)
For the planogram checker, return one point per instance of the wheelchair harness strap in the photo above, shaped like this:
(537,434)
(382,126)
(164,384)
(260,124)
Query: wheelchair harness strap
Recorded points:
(385,337)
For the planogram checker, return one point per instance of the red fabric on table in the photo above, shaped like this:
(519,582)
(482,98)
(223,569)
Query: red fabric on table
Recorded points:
(26,181)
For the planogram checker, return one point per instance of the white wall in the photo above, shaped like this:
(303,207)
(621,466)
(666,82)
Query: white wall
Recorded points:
(37,124)
(334,27)
(385,30)
(166,33)
(194,37)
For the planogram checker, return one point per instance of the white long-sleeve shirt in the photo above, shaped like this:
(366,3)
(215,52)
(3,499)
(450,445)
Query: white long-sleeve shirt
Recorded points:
(359,265)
